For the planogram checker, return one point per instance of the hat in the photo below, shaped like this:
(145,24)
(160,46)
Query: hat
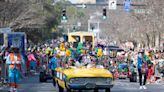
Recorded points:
(141,51)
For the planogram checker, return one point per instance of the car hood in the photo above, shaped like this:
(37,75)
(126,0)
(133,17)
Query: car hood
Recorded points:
(85,72)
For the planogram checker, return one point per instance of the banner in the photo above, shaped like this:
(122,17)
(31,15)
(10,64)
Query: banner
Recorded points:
(16,40)
(127,5)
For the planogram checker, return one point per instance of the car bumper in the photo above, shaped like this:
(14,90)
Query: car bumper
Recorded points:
(89,86)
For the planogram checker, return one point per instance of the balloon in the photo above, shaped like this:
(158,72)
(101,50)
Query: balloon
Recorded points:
(80,48)
(62,47)
(68,53)
(100,52)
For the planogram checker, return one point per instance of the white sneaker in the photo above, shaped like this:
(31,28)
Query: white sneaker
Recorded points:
(140,87)
(144,87)
(15,90)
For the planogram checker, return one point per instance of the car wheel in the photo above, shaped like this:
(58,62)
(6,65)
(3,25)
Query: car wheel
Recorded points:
(60,88)
(130,79)
(96,90)
(107,90)
(41,77)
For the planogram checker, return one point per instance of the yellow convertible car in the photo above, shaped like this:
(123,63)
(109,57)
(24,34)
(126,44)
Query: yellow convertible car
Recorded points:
(83,79)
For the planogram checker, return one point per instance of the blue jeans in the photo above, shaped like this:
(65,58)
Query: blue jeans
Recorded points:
(33,65)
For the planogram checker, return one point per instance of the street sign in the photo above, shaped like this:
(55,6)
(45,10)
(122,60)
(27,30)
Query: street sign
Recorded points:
(112,4)
(127,5)
(63,21)
(139,11)
(82,6)
(79,24)
(5,30)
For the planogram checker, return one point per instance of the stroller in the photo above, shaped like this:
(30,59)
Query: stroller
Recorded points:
(123,71)
(132,74)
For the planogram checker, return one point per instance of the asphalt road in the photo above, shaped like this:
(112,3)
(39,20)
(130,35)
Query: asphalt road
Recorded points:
(33,85)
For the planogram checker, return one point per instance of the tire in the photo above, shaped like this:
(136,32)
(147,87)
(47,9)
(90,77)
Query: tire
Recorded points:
(107,90)
(67,89)
(96,90)
(133,78)
(41,77)
(130,79)
(60,88)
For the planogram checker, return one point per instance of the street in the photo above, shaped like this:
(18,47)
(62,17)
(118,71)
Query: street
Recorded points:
(33,85)
(84,44)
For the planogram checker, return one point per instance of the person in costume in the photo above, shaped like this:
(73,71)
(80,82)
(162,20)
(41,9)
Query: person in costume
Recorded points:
(80,48)
(99,52)
(68,54)
(62,54)
(14,61)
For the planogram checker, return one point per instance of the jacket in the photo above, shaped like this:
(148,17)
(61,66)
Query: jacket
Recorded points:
(53,64)
(139,62)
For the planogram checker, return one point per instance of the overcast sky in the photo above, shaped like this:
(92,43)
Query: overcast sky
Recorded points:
(73,1)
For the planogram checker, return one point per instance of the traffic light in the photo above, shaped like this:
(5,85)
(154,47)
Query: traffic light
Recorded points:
(74,28)
(64,16)
(92,28)
(104,13)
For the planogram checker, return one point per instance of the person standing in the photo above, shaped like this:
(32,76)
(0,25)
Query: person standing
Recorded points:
(142,70)
(53,64)
(14,61)
(31,62)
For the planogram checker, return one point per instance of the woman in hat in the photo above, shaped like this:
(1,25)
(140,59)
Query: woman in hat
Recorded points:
(142,69)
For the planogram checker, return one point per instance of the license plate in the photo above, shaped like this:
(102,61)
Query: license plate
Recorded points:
(90,85)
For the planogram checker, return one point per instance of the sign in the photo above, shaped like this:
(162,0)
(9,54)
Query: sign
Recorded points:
(5,30)
(82,6)
(139,11)
(16,40)
(64,21)
(79,24)
(127,5)
(112,4)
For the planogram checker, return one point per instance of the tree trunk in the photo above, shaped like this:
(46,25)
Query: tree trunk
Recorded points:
(159,38)
(148,40)
(154,38)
